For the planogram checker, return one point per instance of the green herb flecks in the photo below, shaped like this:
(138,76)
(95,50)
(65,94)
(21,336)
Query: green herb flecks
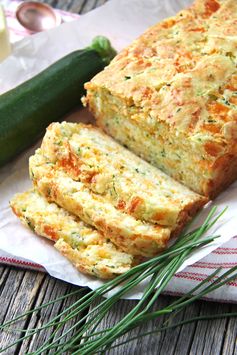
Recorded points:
(30,224)
(163,153)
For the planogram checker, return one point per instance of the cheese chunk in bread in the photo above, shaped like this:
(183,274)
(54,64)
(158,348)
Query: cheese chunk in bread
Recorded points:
(88,249)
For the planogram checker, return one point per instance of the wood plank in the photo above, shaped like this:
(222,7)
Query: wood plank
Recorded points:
(88,6)
(24,290)
(187,331)
(100,2)
(161,342)
(203,337)
(18,294)
(71,5)
(5,270)
(209,335)
(58,289)
(76,6)
(230,336)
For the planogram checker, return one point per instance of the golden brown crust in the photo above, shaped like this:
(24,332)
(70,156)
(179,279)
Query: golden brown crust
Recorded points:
(225,169)
(181,73)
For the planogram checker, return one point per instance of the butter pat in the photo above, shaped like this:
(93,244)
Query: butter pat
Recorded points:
(5,47)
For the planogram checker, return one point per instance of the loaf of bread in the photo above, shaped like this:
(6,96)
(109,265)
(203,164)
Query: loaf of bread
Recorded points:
(171,96)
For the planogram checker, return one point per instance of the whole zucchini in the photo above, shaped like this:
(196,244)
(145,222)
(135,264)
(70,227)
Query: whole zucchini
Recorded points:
(26,110)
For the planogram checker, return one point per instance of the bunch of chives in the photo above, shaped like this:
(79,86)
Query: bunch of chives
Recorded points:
(158,271)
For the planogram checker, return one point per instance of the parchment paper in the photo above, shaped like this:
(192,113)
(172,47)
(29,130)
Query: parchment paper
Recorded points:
(121,21)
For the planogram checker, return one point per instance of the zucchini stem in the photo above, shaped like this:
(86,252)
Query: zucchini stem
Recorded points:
(103,47)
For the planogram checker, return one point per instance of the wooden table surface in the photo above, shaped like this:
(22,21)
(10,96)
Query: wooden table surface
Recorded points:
(22,290)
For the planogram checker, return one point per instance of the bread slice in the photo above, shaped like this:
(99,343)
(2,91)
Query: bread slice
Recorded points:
(88,249)
(171,96)
(127,182)
(131,235)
